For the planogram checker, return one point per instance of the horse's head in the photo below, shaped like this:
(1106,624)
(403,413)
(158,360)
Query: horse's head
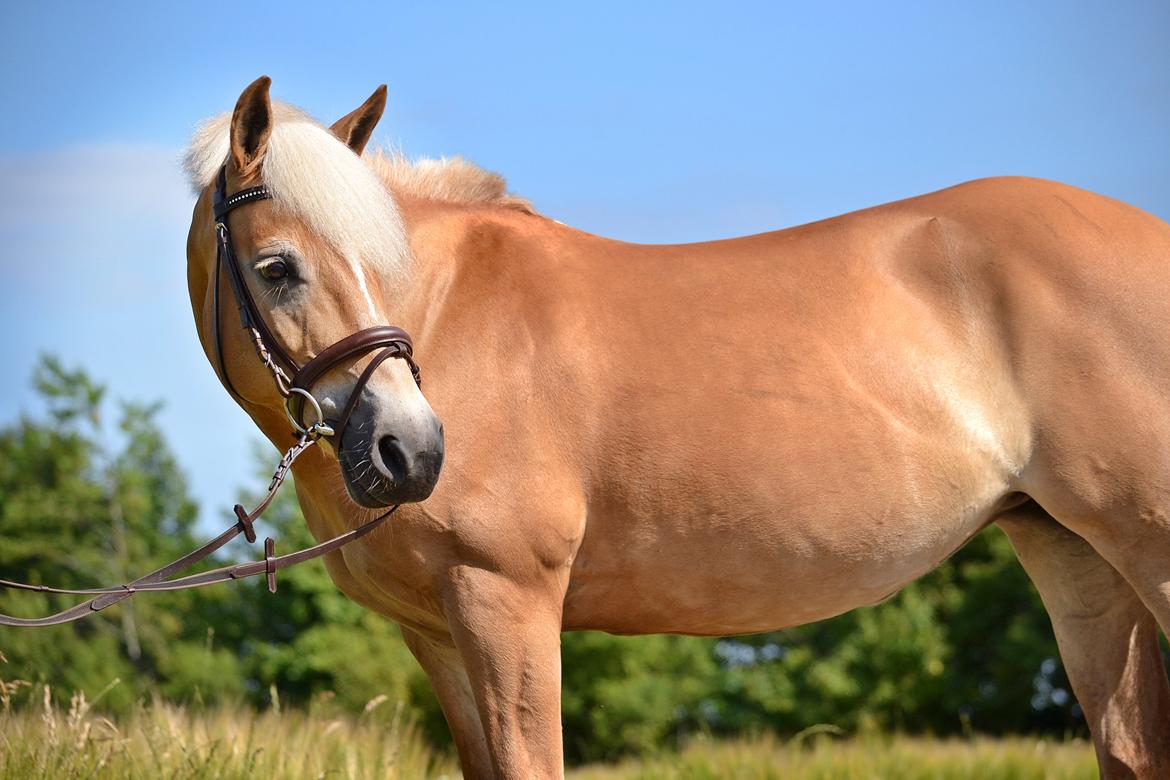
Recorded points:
(321,252)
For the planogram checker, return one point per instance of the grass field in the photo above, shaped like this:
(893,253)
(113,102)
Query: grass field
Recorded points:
(897,758)
(163,740)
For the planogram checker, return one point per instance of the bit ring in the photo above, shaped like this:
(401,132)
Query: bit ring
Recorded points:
(319,428)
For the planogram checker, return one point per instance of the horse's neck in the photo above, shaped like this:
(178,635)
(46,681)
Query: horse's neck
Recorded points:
(446,240)
(455,247)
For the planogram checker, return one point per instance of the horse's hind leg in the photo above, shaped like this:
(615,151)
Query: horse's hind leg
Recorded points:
(1108,642)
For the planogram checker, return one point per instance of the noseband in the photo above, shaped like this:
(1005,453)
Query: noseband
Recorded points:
(393,342)
(295,384)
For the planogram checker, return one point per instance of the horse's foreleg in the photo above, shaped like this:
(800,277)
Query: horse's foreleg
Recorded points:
(509,638)
(444,668)
(1108,641)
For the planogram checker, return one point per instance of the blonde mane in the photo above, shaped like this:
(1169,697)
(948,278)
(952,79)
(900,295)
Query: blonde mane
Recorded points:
(347,200)
(448,179)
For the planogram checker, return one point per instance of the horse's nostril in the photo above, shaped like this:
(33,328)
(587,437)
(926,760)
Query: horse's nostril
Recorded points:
(393,458)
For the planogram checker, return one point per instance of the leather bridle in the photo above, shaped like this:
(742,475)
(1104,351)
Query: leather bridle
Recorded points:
(294,383)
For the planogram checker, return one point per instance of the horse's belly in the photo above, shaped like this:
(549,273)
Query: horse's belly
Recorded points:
(735,591)
(744,567)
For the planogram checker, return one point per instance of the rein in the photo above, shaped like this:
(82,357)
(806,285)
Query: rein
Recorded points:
(294,383)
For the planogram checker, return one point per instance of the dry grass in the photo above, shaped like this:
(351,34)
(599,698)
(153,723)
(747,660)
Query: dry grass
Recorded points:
(165,740)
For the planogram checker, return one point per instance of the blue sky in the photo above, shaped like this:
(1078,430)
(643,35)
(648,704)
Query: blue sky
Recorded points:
(657,122)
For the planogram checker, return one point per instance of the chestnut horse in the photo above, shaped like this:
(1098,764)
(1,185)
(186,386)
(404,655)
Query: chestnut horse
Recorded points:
(715,438)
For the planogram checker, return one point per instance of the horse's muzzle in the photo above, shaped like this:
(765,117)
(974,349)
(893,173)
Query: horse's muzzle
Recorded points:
(386,461)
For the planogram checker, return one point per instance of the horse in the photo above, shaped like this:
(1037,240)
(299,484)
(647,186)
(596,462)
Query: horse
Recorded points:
(708,439)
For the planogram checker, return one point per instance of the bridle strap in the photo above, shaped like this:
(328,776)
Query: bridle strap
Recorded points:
(354,345)
(157,580)
(351,404)
(96,604)
(271,353)
(224,203)
(154,584)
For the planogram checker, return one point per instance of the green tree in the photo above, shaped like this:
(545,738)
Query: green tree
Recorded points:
(83,505)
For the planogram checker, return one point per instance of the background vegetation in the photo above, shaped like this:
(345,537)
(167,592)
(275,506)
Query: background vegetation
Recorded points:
(91,494)
(159,739)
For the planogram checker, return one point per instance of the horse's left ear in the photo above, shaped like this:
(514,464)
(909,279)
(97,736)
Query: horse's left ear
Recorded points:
(355,128)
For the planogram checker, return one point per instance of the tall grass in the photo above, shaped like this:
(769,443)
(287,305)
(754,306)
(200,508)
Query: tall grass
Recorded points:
(159,739)
(862,758)
(39,739)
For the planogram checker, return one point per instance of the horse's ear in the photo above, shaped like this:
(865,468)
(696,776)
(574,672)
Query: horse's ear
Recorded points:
(355,128)
(251,125)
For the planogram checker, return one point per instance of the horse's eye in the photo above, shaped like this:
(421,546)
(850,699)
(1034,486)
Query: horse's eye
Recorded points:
(274,271)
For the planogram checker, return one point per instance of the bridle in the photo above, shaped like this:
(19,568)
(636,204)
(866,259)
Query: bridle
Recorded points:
(294,383)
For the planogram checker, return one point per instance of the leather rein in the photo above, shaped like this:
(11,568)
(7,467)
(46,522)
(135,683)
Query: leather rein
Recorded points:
(294,383)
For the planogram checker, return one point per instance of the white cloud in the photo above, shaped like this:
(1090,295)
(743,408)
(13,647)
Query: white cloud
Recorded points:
(111,218)
(124,183)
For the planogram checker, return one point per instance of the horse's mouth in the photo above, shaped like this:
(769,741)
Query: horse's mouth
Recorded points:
(388,472)
(364,482)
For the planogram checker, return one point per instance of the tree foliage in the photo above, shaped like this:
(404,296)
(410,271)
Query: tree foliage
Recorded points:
(85,503)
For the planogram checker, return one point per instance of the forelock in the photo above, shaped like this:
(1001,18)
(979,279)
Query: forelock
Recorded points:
(316,178)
